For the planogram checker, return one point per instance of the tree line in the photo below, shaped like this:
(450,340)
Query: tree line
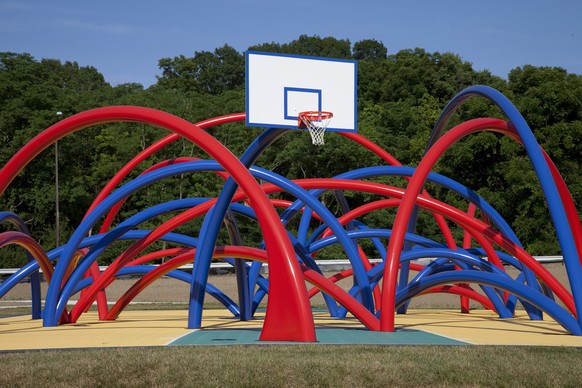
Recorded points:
(400,96)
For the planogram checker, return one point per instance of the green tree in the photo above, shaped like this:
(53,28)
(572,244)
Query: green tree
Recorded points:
(369,49)
(400,97)
(311,46)
(547,95)
(31,92)
(206,72)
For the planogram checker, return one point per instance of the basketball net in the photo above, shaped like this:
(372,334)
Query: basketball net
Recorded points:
(316,122)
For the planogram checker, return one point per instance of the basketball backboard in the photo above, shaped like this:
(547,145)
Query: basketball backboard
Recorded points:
(280,86)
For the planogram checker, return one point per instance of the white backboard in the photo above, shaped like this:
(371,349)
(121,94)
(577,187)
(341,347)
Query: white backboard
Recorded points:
(280,86)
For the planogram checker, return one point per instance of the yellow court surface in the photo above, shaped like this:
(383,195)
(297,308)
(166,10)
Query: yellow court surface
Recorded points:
(160,328)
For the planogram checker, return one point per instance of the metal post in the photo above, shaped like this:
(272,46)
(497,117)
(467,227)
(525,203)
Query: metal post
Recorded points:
(57,212)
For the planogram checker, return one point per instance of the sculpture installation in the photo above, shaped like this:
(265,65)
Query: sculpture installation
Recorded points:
(453,269)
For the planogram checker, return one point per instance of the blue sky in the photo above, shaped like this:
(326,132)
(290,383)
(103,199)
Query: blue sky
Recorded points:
(124,39)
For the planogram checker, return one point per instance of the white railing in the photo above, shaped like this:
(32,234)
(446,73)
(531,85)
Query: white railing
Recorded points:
(330,265)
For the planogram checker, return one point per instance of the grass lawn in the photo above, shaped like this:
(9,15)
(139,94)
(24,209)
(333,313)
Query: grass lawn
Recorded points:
(294,366)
